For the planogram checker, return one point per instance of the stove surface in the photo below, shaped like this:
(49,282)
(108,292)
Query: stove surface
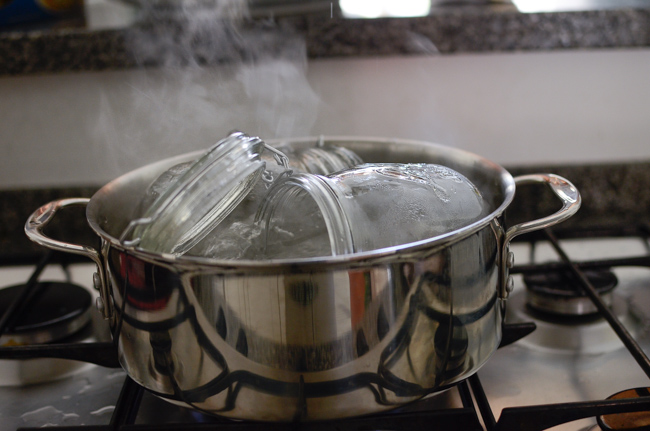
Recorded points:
(532,372)
(536,370)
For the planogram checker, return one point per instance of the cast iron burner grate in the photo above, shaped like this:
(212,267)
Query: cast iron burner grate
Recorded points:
(475,413)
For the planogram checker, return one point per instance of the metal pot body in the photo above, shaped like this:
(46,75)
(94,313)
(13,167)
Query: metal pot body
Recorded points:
(314,344)
(315,338)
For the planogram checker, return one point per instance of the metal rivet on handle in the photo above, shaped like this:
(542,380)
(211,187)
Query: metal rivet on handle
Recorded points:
(510,284)
(97,281)
(510,261)
(99,304)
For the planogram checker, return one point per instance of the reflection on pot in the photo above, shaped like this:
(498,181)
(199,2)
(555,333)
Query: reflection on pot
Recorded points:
(149,287)
(380,336)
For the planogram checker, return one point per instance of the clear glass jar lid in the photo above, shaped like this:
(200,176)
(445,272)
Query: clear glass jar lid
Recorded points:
(201,197)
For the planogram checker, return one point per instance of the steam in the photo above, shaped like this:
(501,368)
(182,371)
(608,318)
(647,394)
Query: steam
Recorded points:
(279,84)
(204,71)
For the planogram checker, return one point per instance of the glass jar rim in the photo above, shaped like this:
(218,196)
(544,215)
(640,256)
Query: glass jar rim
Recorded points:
(329,201)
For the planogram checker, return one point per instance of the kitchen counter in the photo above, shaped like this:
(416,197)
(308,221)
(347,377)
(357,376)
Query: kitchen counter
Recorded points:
(543,106)
(104,39)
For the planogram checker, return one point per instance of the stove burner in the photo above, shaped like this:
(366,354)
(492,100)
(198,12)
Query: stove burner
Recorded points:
(560,293)
(587,334)
(57,310)
(627,421)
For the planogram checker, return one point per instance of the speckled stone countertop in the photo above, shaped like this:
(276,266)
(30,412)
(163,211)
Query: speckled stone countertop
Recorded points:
(456,29)
(612,195)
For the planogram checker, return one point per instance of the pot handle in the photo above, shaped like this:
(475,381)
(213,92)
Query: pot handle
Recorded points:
(571,201)
(34,230)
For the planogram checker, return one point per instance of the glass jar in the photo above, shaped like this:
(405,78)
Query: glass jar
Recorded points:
(322,158)
(224,186)
(190,199)
(239,236)
(372,206)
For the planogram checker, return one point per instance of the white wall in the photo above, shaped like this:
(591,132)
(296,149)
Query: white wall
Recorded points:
(519,108)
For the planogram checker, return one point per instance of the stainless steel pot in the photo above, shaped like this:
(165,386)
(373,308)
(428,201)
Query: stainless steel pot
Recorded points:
(316,338)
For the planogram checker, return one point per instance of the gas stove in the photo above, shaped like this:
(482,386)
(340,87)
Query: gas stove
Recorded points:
(580,353)
(586,294)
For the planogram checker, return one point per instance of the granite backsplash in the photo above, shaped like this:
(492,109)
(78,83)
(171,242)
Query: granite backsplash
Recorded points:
(612,195)
(447,30)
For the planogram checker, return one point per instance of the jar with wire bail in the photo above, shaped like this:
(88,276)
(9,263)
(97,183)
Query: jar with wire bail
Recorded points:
(191,199)
(224,187)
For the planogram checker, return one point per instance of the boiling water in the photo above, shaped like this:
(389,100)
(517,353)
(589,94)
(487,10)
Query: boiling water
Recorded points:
(299,232)
(382,205)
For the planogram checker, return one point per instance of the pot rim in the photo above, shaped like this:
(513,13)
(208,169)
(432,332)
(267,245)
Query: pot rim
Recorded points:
(408,251)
